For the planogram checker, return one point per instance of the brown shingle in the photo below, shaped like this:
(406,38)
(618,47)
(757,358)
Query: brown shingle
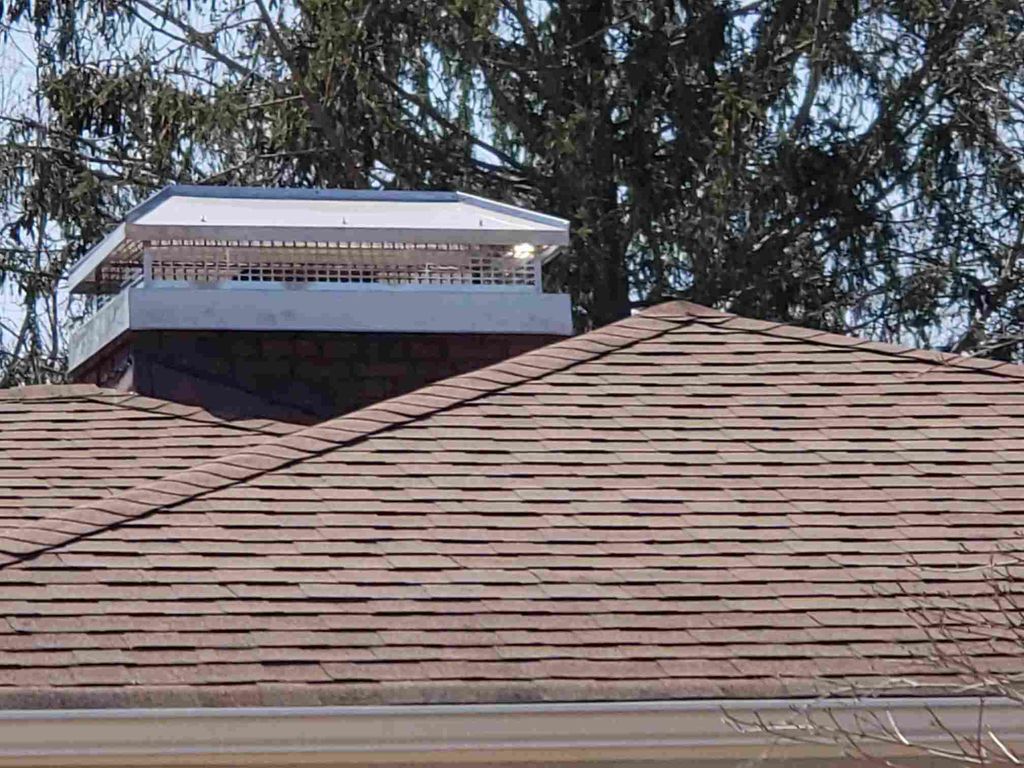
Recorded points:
(66,445)
(684,504)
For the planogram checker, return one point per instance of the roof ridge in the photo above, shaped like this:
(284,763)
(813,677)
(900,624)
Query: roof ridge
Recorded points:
(134,401)
(933,356)
(45,534)
(198,414)
(54,391)
(700,313)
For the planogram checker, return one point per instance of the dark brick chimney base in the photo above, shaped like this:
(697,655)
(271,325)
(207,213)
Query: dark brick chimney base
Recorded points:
(301,377)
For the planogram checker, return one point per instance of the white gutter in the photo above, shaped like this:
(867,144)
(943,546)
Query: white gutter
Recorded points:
(691,733)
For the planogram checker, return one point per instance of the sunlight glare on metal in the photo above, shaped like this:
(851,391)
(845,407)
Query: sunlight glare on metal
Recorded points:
(524,251)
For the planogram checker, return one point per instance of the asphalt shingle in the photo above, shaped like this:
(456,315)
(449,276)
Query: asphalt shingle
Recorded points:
(685,504)
(62,445)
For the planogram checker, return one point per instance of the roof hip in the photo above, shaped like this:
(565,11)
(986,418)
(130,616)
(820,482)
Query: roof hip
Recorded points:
(43,535)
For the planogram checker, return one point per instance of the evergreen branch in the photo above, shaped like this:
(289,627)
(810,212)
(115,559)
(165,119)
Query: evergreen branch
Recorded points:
(331,129)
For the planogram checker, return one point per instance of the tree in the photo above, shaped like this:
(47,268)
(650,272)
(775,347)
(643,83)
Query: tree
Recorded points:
(854,165)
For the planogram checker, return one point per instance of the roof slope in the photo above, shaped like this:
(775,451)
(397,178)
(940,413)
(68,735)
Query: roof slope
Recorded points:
(684,504)
(63,445)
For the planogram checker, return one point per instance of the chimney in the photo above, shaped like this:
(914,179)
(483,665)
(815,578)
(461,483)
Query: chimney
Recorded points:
(304,304)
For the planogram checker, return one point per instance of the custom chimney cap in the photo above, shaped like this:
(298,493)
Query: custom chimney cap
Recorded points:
(254,217)
(296,260)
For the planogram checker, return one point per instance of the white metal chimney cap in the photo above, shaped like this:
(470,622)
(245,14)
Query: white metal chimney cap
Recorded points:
(256,214)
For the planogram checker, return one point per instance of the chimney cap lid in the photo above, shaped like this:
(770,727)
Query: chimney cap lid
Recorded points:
(260,214)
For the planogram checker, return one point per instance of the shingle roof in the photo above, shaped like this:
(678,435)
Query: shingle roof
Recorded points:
(61,445)
(685,504)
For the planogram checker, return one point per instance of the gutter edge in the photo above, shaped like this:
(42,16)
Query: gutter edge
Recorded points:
(405,734)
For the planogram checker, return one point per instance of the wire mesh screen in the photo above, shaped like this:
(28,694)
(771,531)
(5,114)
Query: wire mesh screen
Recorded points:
(321,263)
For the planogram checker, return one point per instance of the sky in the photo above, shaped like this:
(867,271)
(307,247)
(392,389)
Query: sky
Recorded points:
(17,72)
